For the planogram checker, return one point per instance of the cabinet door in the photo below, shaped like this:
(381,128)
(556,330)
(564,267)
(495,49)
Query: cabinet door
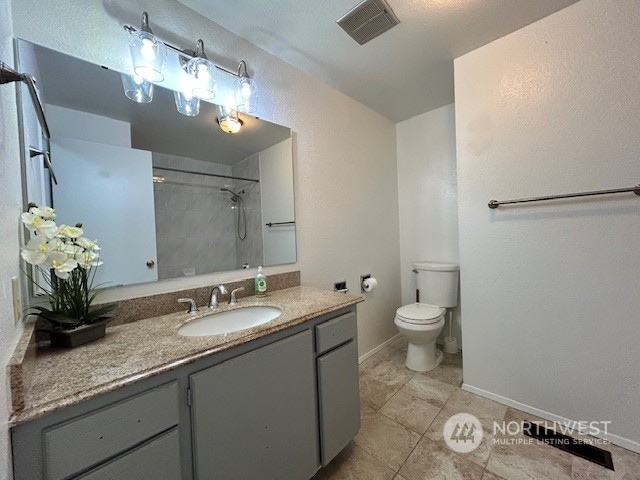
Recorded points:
(339,399)
(254,417)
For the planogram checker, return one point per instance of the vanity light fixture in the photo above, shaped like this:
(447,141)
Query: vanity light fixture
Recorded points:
(228,119)
(246,91)
(148,52)
(137,88)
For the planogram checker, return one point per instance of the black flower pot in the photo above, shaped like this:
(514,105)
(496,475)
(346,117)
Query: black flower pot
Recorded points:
(77,336)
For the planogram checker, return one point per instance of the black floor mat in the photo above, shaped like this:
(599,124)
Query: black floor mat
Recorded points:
(568,444)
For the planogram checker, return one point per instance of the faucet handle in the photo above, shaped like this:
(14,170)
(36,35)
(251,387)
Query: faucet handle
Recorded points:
(192,304)
(232,300)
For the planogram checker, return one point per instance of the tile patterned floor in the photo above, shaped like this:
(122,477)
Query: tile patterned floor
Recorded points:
(403,413)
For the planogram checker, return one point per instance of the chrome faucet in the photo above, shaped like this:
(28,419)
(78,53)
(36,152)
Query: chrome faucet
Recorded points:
(192,304)
(217,289)
(232,300)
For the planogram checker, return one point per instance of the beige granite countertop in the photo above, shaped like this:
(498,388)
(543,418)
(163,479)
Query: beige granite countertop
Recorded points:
(54,378)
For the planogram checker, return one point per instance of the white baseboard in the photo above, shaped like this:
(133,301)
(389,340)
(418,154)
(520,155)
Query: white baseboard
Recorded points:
(614,439)
(370,353)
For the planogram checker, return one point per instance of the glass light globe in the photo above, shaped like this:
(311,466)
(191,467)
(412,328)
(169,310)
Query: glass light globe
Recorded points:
(246,93)
(228,119)
(137,88)
(187,104)
(148,55)
(204,74)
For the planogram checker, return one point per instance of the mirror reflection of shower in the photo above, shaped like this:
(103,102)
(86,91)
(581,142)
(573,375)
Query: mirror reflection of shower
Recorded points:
(241,223)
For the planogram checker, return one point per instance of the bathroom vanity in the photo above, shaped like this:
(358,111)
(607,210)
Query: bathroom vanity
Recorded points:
(272,402)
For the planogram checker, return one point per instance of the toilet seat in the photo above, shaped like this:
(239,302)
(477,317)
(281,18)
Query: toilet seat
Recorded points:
(420,313)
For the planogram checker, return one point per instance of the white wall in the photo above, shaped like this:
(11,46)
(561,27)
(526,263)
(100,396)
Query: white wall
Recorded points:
(427,197)
(344,153)
(10,209)
(550,290)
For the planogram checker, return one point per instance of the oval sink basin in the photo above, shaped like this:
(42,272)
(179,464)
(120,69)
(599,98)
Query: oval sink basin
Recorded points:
(229,321)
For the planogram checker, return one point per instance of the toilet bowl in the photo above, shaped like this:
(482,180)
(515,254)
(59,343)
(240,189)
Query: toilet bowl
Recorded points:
(420,324)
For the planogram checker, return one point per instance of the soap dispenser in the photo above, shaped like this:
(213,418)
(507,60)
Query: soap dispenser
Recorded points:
(261,283)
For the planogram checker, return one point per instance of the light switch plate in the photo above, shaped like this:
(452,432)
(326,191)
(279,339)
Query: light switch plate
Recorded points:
(16,299)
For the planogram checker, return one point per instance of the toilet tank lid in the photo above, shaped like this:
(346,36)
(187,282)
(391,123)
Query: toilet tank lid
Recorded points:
(436,266)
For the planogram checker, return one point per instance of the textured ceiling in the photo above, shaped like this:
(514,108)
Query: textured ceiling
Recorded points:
(402,73)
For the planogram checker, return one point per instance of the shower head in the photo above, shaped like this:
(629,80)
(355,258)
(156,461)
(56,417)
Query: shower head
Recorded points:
(235,196)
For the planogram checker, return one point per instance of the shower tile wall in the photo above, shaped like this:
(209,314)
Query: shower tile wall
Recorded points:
(195,222)
(249,250)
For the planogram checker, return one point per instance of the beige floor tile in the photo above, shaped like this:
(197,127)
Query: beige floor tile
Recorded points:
(353,463)
(452,359)
(514,414)
(410,411)
(398,356)
(429,389)
(374,394)
(529,460)
(431,460)
(399,343)
(390,373)
(490,476)
(399,477)
(386,440)
(479,456)
(451,374)
(374,360)
(487,411)
(625,462)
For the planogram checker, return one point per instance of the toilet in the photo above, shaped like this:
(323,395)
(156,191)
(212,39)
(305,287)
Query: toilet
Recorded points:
(421,322)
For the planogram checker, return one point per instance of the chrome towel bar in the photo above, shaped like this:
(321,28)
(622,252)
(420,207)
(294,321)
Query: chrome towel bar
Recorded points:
(496,203)
(275,224)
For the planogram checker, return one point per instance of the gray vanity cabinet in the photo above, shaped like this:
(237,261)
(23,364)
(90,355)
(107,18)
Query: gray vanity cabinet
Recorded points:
(254,417)
(276,408)
(338,392)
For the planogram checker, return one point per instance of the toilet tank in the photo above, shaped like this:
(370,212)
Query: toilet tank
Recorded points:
(438,283)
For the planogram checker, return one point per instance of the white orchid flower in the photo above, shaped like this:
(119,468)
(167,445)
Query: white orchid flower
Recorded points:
(35,223)
(69,232)
(36,250)
(88,244)
(61,264)
(47,213)
(89,259)
(72,250)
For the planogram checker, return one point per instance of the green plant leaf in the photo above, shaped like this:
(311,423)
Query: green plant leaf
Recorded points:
(56,317)
(98,312)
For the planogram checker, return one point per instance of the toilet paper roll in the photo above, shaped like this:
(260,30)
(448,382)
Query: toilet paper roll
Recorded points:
(369,284)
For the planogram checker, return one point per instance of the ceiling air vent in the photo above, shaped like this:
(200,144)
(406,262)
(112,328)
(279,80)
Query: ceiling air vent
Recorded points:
(367,20)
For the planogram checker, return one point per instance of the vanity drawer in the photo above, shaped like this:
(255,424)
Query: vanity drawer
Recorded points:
(159,458)
(93,438)
(335,332)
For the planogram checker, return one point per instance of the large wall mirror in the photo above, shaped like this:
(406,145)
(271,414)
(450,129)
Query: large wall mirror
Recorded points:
(167,195)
